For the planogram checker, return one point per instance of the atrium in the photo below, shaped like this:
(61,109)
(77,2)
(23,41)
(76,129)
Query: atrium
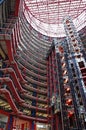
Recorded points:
(42,64)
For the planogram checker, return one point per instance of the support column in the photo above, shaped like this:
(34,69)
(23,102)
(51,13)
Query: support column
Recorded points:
(17,7)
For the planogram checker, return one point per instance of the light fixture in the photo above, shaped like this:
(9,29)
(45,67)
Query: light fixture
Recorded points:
(63,65)
(66,80)
(68,101)
(68,89)
(70,113)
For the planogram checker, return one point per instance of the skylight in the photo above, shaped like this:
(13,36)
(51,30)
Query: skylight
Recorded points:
(46,16)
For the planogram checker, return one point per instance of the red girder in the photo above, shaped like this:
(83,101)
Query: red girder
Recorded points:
(17,7)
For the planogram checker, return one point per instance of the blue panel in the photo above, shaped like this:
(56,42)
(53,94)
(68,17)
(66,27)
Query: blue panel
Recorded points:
(33,102)
(33,113)
(10,123)
(32,126)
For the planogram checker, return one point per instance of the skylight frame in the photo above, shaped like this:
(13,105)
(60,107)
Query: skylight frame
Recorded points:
(46,23)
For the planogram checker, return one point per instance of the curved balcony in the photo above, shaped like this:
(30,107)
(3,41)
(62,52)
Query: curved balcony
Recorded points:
(28,60)
(31,52)
(12,88)
(34,75)
(35,82)
(28,87)
(38,104)
(33,118)
(33,107)
(32,97)
(10,72)
(30,67)
(20,101)
(6,93)
(43,42)
(12,62)
(30,44)
(24,56)
(39,97)
(23,61)
(15,67)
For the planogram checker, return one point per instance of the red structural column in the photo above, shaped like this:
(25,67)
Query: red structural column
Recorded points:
(50,74)
(17,7)
(13,42)
(35,126)
(18,32)
(9,48)
(56,121)
(22,126)
(17,35)
(48,89)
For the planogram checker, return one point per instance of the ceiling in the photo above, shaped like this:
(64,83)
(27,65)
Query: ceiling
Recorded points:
(46,16)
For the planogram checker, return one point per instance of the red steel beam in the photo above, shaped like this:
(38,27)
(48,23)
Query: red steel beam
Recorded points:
(17,2)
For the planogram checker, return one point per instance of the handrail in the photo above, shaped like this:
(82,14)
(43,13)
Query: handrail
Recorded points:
(15,67)
(13,74)
(35,89)
(33,118)
(36,82)
(36,98)
(24,54)
(33,107)
(41,71)
(12,88)
(15,109)
(32,73)
(10,100)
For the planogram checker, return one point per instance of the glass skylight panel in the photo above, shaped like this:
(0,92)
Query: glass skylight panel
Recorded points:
(44,15)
